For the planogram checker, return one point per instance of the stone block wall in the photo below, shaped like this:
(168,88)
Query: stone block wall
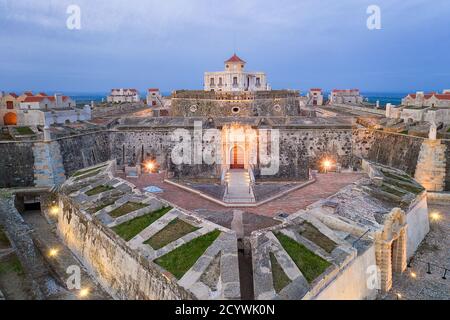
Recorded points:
(447,172)
(107,256)
(394,150)
(16,164)
(431,166)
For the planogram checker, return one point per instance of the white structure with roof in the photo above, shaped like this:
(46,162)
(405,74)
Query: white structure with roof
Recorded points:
(235,78)
(346,96)
(124,95)
(434,100)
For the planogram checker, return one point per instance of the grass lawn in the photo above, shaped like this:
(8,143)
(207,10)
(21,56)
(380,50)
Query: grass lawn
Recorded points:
(24,131)
(180,260)
(98,190)
(127,208)
(310,264)
(82,172)
(11,264)
(132,228)
(280,279)
(175,230)
(314,235)
(4,242)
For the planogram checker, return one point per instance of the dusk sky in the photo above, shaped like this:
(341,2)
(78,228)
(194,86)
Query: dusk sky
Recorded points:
(169,44)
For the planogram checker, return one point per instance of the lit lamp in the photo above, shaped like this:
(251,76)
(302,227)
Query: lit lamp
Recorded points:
(54,210)
(326,165)
(84,293)
(149,166)
(435,216)
(53,252)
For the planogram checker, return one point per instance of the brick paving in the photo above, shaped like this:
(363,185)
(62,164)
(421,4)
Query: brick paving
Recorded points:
(253,218)
(434,249)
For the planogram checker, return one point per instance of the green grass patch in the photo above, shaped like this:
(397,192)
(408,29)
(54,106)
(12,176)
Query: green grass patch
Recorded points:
(24,131)
(279,277)
(132,228)
(83,172)
(310,264)
(4,241)
(11,264)
(127,208)
(314,235)
(88,175)
(98,190)
(180,260)
(175,230)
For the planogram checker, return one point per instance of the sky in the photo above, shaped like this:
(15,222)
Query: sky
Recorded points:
(169,44)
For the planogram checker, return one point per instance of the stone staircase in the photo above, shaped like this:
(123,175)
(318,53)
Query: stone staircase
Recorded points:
(239,189)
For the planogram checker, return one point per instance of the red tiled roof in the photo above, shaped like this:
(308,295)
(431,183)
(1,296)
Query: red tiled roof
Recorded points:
(345,90)
(315,89)
(235,58)
(12,94)
(40,98)
(28,93)
(33,99)
(42,94)
(430,95)
(153,90)
(443,96)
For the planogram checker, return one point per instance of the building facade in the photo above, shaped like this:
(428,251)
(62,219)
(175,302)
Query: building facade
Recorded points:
(315,97)
(235,78)
(346,96)
(123,95)
(40,109)
(154,98)
(433,100)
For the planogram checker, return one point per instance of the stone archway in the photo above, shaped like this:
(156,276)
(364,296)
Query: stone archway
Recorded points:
(390,244)
(10,119)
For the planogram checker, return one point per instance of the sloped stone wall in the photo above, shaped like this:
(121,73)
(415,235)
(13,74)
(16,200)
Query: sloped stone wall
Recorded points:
(395,150)
(122,272)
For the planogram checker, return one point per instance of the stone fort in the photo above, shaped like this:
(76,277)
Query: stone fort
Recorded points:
(350,195)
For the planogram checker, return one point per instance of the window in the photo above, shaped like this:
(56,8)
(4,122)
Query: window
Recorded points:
(212,82)
(258,82)
(236,110)
(227,66)
(235,81)
(220,82)
(242,66)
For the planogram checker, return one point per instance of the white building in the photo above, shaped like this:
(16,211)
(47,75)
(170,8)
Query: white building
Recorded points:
(346,96)
(40,110)
(123,95)
(154,98)
(315,97)
(234,78)
(434,100)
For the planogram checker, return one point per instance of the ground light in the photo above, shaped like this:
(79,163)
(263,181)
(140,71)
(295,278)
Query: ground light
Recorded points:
(435,216)
(54,210)
(326,164)
(84,293)
(413,275)
(53,252)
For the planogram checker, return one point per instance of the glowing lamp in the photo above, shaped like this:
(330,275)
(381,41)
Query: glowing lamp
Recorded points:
(84,293)
(53,252)
(54,210)
(435,216)
(413,275)
(150,166)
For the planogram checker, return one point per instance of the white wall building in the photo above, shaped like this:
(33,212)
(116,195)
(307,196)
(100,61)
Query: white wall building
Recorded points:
(154,98)
(315,97)
(123,95)
(434,100)
(40,110)
(346,96)
(234,78)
